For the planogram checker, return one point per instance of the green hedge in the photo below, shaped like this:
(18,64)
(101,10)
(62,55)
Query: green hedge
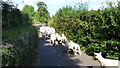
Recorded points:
(20,51)
(19,37)
(95,31)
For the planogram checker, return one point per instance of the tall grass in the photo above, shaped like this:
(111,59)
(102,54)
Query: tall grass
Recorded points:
(6,33)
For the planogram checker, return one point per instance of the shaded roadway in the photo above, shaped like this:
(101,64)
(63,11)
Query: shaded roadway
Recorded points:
(49,55)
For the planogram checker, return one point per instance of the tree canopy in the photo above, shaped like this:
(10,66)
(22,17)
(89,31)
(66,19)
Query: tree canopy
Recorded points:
(39,16)
(42,12)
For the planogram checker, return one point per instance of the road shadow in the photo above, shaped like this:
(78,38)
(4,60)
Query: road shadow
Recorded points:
(50,55)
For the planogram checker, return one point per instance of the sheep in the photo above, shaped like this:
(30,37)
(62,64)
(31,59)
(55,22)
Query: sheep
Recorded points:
(50,31)
(64,39)
(42,29)
(106,62)
(71,46)
(76,48)
(53,38)
(58,38)
(46,31)
(44,34)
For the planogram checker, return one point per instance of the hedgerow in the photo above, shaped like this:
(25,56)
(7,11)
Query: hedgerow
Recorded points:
(95,30)
(19,37)
(21,50)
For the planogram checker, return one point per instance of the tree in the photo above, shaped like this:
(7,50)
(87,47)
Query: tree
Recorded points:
(29,10)
(41,5)
(42,12)
(11,16)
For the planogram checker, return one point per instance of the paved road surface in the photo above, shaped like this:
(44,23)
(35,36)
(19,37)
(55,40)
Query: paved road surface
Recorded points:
(56,56)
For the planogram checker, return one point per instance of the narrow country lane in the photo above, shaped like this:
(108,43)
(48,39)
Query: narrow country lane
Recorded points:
(56,56)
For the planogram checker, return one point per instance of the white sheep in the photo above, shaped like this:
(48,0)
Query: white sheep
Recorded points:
(69,47)
(74,47)
(42,29)
(53,38)
(46,31)
(106,62)
(44,34)
(64,39)
(50,31)
(58,38)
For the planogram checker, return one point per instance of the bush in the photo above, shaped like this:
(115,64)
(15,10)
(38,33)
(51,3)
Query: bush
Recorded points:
(95,31)
(20,51)
(19,37)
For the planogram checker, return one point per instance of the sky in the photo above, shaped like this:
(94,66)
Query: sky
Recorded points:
(54,5)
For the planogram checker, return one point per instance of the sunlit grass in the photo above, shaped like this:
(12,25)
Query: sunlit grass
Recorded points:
(6,33)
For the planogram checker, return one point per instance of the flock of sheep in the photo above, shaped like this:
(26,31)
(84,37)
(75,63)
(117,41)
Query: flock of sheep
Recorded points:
(55,38)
